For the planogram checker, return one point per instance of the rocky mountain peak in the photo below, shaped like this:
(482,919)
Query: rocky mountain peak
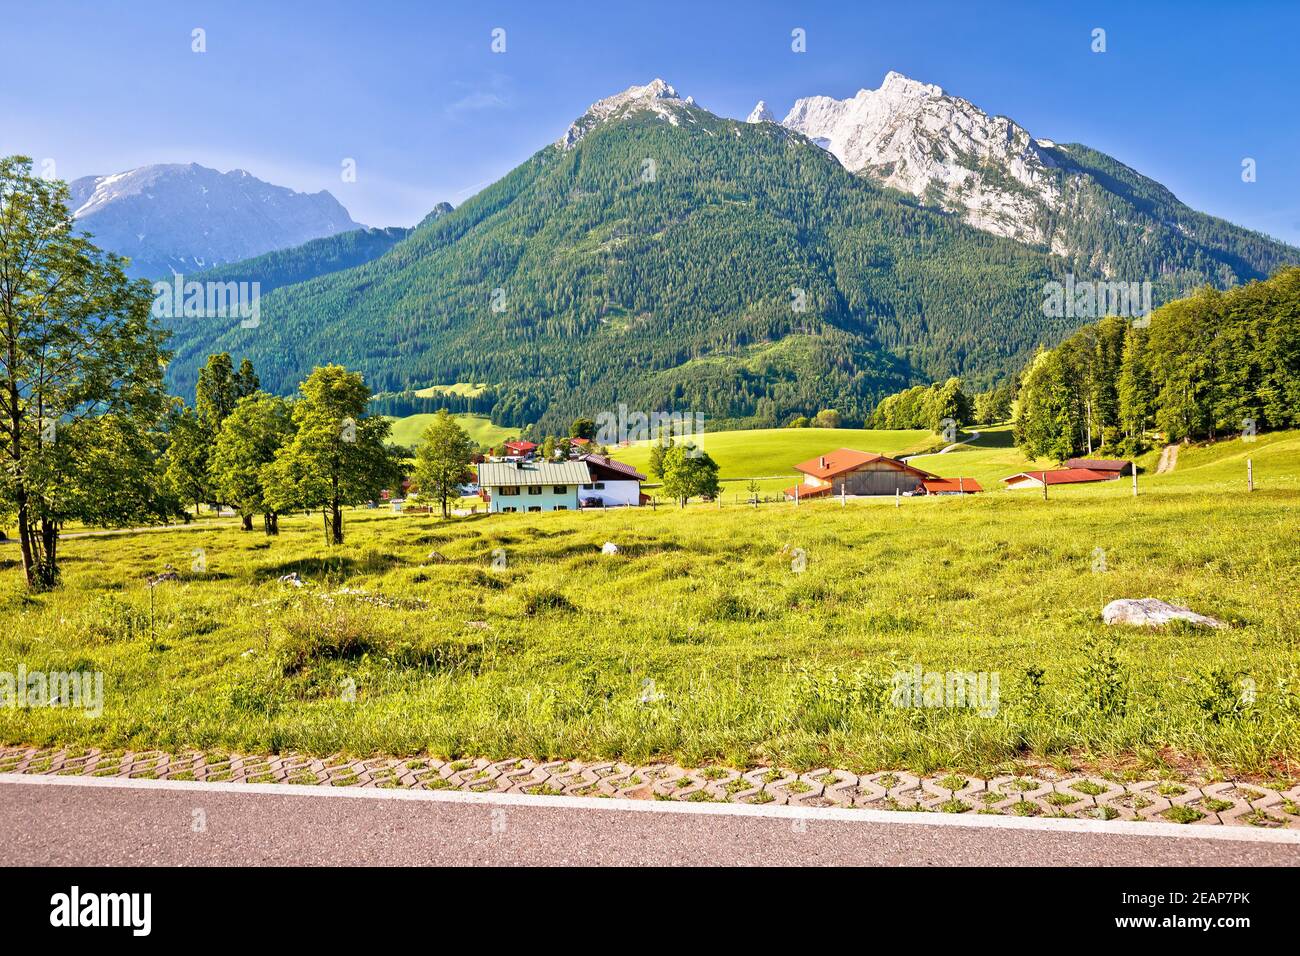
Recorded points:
(760,114)
(940,148)
(658,96)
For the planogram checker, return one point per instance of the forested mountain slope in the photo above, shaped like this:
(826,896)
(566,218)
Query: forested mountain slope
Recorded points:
(665,257)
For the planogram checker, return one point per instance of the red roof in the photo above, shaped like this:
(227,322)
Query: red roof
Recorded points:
(1099,464)
(609,464)
(1064,476)
(521,446)
(579,441)
(938,486)
(846,459)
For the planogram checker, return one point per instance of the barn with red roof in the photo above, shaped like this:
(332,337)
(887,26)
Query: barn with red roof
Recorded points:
(850,472)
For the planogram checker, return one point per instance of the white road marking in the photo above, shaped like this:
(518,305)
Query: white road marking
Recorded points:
(1243,834)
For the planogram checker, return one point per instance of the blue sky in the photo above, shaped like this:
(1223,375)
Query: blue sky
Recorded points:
(413,92)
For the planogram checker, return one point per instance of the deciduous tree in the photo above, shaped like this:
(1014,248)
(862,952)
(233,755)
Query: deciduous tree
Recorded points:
(442,461)
(250,437)
(689,473)
(337,455)
(80,376)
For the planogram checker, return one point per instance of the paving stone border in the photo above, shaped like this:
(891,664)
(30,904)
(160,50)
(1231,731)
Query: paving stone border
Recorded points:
(1042,793)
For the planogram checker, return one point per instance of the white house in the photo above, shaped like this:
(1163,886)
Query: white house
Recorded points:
(612,485)
(520,485)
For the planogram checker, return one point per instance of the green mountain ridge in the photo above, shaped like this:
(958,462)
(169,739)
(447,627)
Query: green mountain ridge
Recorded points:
(310,260)
(658,264)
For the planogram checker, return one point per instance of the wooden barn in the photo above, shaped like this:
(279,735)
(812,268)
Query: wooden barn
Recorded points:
(849,472)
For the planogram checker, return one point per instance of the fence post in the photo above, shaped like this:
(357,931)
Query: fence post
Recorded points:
(898,497)
(1135,481)
(1250,475)
(1044,476)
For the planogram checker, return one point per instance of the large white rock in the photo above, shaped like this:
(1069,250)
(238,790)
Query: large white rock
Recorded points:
(609,548)
(1151,612)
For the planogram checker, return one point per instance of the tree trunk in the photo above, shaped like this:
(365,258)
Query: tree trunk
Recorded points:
(50,546)
(270,522)
(25,537)
(247,522)
(336,531)
(444,504)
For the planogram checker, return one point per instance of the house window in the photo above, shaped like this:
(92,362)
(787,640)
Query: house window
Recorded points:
(534,507)
(534,489)
(561,507)
(511,510)
(561,489)
(508,490)
(599,486)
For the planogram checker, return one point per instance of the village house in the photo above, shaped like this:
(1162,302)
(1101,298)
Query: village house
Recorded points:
(612,485)
(520,485)
(591,481)
(1059,476)
(519,449)
(849,472)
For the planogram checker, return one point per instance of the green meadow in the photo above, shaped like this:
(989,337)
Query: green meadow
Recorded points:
(409,429)
(733,635)
(773,452)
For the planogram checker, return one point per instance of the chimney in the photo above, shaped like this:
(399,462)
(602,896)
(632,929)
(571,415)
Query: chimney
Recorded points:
(822,461)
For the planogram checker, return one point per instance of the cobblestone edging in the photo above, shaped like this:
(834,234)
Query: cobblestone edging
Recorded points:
(1085,797)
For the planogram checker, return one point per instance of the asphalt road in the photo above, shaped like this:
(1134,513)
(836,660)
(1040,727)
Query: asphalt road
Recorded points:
(58,821)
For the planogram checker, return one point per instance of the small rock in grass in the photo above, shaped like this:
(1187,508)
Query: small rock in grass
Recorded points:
(1150,612)
(291,578)
(609,548)
(435,557)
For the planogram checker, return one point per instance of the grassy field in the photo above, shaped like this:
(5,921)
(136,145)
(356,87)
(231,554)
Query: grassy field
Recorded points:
(409,430)
(468,389)
(700,641)
(771,452)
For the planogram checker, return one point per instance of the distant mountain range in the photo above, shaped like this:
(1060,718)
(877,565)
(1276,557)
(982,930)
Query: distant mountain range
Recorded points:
(659,255)
(185,217)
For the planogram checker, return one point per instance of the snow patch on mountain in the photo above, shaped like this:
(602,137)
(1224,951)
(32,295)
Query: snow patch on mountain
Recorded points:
(169,215)
(942,149)
(760,114)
